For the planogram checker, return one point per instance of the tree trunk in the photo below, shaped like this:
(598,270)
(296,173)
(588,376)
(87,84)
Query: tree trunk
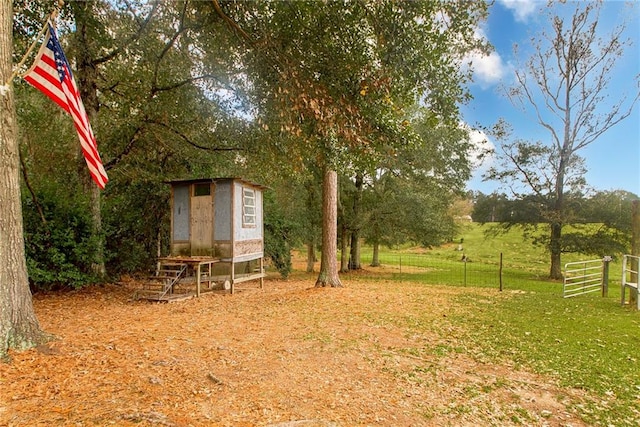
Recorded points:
(97,266)
(158,250)
(312,206)
(329,258)
(311,255)
(375,261)
(354,260)
(19,327)
(344,249)
(87,82)
(555,249)
(556,220)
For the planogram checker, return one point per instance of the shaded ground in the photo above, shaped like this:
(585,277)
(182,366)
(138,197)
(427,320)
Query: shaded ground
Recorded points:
(374,354)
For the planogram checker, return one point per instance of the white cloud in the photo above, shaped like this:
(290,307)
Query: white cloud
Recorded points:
(487,69)
(481,155)
(521,9)
(482,149)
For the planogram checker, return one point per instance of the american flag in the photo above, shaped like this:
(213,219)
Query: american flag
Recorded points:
(51,74)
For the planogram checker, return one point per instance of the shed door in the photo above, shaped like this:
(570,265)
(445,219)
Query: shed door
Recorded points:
(202,220)
(181,213)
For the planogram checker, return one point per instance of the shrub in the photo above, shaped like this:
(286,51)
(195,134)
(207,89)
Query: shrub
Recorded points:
(58,248)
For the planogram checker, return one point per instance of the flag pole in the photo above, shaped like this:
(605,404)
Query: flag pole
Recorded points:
(16,71)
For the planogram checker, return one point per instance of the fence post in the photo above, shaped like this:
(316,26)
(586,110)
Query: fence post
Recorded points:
(605,275)
(500,272)
(465,272)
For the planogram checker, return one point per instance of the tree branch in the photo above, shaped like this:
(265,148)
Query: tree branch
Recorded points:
(192,143)
(236,29)
(114,161)
(187,81)
(25,176)
(134,37)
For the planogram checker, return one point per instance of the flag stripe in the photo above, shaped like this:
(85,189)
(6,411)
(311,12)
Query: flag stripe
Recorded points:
(51,74)
(82,126)
(45,82)
(46,78)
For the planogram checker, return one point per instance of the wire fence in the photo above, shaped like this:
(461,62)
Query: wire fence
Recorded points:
(462,271)
(494,272)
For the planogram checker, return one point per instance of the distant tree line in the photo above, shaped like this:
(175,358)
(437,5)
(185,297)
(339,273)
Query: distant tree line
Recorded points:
(596,224)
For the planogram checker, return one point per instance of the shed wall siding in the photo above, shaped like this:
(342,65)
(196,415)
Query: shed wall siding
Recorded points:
(222,205)
(181,215)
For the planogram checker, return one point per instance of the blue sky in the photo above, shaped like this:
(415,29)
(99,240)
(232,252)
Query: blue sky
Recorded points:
(613,160)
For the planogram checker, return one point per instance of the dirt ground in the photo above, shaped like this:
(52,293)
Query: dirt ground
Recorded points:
(372,353)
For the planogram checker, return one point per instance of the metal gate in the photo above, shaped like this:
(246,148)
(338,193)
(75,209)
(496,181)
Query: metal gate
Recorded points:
(630,267)
(582,278)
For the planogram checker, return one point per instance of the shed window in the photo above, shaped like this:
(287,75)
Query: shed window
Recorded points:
(202,189)
(248,207)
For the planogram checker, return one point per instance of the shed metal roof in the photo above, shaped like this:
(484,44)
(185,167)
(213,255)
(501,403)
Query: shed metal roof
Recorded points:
(202,180)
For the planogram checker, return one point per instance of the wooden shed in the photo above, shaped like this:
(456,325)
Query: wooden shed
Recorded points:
(217,236)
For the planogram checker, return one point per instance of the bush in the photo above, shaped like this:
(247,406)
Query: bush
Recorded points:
(277,235)
(58,249)
(134,216)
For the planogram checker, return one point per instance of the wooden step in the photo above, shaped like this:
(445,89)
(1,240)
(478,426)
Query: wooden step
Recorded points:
(158,296)
(169,270)
(148,294)
(173,264)
(161,278)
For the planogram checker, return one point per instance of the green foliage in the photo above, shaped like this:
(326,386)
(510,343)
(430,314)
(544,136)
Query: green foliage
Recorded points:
(595,239)
(59,251)
(278,233)
(408,209)
(177,94)
(335,83)
(612,208)
(135,217)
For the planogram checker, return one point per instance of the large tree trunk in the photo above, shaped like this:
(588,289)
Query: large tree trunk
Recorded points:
(329,259)
(19,327)
(88,77)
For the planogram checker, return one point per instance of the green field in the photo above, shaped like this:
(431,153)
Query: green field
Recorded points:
(588,342)
(525,266)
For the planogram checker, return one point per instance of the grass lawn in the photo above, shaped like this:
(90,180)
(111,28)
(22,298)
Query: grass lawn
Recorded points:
(587,342)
